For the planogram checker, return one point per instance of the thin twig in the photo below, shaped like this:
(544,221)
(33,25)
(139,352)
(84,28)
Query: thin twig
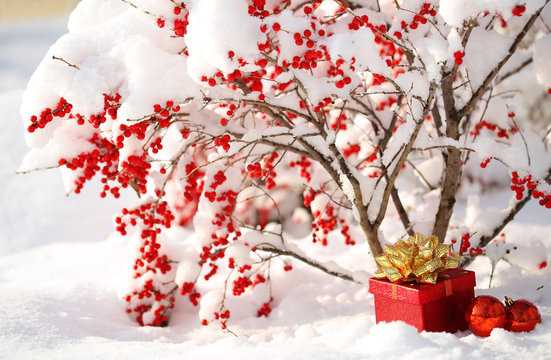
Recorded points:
(319,266)
(66,62)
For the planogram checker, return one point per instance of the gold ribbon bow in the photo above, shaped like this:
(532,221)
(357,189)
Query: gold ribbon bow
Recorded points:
(418,258)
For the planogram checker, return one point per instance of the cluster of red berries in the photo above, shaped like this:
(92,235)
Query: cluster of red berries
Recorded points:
(323,103)
(213,270)
(256,9)
(519,186)
(138,129)
(63,108)
(419,18)
(223,225)
(501,132)
(519,10)
(230,112)
(344,231)
(345,81)
(186,200)
(310,58)
(270,173)
(309,195)
(458,57)
(134,172)
(152,216)
(386,103)
(255,170)
(105,158)
(111,105)
(370,159)
(150,297)
(545,198)
(337,122)
(164,113)
(394,59)
(240,285)
(222,316)
(252,80)
(188,288)
(376,174)
(224,215)
(350,150)
(47,115)
(265,310)
(359,22)
(377,80)
(181,23)
(465,245)
(223,141)
(303,165)
(156,145)
(89,164)
(324,223)
(485,162)
(219,179)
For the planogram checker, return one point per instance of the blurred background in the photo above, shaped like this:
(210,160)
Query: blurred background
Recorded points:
(17,9)
(34,208)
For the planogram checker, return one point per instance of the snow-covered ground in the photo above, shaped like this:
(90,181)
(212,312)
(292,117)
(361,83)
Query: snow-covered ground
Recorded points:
(60,269)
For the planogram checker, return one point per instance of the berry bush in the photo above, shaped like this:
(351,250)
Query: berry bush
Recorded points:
(260,122)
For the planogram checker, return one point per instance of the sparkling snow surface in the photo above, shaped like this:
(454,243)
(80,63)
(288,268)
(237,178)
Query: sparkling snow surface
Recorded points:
(60,270)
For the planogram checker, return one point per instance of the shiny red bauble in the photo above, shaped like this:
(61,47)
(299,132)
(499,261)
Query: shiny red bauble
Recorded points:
(522,315)
(484,314)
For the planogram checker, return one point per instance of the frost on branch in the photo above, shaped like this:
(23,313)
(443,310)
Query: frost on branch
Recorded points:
(277,128)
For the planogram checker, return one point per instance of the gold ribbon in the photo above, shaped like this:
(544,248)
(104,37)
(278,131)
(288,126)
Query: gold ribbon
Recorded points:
(418,258)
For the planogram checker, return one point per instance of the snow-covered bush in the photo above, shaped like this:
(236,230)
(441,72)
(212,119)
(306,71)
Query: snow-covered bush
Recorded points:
(252,120)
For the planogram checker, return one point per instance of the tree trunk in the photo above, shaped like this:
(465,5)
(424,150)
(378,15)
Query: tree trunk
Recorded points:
(453,163)
(370,234)
(447,196)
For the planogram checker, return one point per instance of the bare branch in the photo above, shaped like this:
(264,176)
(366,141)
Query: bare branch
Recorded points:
(466,260)
(405,152)
(340,273)
(512,49)
(66,62)
(514,71)
(401,211)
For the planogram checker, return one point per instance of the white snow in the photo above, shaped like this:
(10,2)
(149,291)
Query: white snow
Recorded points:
(542,60)
(59,275)
(455,12)
(481,55)
(209,40)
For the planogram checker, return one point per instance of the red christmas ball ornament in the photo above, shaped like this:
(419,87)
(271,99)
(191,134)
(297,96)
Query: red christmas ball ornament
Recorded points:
(522,315)
(484,314)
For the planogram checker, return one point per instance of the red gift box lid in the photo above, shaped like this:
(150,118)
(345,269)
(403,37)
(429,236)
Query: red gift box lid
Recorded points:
(449,281)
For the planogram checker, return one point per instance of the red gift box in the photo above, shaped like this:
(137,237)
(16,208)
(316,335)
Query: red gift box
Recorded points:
(438,307)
